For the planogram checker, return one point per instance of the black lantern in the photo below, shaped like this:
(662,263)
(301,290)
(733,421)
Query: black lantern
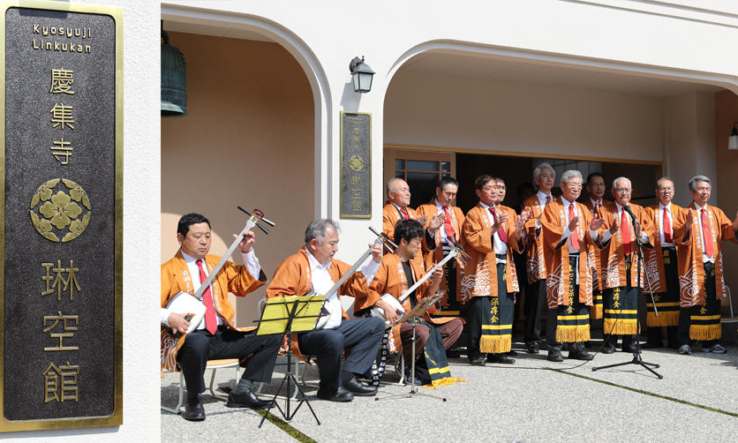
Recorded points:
(733,140)
(361,75)
(173,79)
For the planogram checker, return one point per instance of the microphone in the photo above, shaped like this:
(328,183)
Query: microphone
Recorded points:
(627,209)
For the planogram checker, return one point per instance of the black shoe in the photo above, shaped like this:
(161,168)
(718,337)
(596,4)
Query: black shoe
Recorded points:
(246,400)
(580,355)
(478,361)
(511,353)
(532,347)
(193,408)
(630,349)
(500,358)
(608,349)
(341,395)
(357,388)
(554,354)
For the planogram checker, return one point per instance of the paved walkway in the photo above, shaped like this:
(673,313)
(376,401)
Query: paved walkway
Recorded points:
(531,401)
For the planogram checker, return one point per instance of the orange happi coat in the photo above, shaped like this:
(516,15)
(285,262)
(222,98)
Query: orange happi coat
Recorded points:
(612,256)
(556,253)
(175,278)
(480,274)
(390,217)
(654,257)
(433,254)
(534,263)
(690,250)
(294,277)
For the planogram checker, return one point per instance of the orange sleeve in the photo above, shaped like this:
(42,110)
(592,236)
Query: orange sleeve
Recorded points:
(476,234)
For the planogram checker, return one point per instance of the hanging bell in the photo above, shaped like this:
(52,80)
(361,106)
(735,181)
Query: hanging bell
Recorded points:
(173,80)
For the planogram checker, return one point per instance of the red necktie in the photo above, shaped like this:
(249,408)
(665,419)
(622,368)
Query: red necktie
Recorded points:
(211,323)
(500,232)
(450,233)
(667,227)
(574,237)
(706,234)
(548,199)
(404,213)
(625,228)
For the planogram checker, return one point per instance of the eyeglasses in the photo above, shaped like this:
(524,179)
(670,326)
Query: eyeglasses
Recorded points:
(574,186)
(623,190)
(669,189)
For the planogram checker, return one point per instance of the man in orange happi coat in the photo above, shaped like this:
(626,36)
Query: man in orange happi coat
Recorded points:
(623,274)
(217,336)
(489,236)
(535,292)
(569,231)
(398,272)
(700,231)
(661,265)
(396,209)
(313,269)
(596,189)
(448,219)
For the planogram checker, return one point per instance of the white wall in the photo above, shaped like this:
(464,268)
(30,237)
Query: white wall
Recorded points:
(659,39)
(690,146)
(141,214)
(522,117)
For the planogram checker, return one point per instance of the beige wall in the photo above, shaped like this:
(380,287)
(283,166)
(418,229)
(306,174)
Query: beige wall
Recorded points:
(248,140)
(439,110)
(726,113)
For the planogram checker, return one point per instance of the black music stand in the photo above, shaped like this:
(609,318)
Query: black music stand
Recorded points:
(637,360)
(416,312)
(286,316)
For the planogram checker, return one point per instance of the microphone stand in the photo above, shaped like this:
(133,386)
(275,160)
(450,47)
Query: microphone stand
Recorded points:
(637,360)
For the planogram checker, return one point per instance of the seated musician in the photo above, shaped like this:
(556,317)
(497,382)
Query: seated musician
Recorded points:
(313,269)
(398,272)
(217,335)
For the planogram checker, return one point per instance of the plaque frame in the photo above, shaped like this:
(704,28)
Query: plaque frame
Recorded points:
(342,214)
(116,418)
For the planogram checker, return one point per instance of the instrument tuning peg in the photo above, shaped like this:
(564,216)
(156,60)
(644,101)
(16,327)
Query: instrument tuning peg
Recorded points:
(265,230)
(244,210)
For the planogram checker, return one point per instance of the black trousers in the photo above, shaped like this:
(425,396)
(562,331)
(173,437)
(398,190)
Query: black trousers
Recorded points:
(535,299)
(363,335)
(200,346)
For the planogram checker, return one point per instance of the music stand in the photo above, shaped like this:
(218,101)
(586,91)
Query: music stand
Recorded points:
(637,359)
(416,312)
(286,316)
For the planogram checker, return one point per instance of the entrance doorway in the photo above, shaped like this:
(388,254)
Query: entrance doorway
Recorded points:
(422,168)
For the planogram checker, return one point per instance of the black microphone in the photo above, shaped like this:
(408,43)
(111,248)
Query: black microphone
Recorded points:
(627,209)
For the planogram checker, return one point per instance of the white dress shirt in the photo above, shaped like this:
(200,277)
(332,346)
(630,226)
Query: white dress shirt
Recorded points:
(322,282)
(666,209)
(499,247)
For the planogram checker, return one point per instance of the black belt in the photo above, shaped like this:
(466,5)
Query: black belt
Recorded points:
(573,254)
(709,265)
(501,256)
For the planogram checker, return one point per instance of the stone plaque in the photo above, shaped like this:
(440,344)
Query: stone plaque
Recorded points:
(61,239)
(356,154)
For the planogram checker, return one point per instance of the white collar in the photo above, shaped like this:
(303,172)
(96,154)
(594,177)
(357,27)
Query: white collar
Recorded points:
(188,258)
(667,207)
(542,196)
(315,264)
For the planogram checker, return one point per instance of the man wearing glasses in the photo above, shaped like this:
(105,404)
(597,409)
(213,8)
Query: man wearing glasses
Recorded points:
(623,275)
(661,265)
(700,231)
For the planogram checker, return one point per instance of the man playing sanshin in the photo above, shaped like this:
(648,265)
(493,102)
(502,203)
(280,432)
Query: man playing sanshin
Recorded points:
(398,272)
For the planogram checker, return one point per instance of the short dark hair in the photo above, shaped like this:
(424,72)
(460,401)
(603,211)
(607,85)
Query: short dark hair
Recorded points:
(447,180)
(593,175)
(408,229)
(482,180)
(187,220)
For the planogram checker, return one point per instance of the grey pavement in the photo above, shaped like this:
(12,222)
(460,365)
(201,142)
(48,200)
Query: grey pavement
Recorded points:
(533,400)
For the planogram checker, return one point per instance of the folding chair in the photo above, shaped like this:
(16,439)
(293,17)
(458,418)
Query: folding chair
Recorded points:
(213,365)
